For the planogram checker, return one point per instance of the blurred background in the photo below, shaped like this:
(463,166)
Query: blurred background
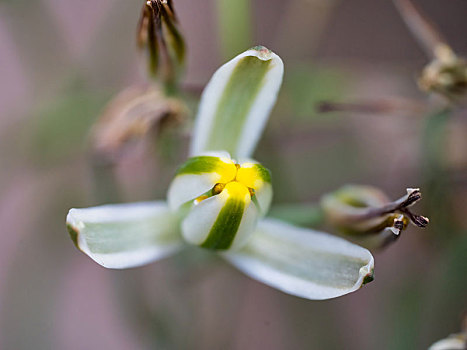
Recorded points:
(62,61)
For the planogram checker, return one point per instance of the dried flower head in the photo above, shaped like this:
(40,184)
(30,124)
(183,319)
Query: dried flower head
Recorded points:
(366,214)
(160,38)
(131,116)
(446,74)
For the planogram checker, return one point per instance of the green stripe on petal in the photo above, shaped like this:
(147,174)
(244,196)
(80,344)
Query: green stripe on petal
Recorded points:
(208,164)
(236,103)
(303,262)
(223,221)
(125,235)
(199,165)
(226,225)
(263,173)
(246,81)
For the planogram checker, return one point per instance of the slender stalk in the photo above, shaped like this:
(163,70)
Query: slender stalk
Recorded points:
(421,27)
(104,181)
(437,187)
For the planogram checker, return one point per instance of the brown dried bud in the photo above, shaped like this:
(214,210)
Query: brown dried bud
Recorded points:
(131,116)
(159,36)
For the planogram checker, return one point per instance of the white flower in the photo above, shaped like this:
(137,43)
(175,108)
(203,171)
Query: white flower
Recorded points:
(219,202)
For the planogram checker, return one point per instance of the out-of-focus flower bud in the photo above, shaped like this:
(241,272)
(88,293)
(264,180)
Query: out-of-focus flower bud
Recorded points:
(454,341)
(366,215)
(160,38)
(131,116)
(446,74)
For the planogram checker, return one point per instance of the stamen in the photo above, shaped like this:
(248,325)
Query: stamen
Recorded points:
(218,188)
(400,223)
(417,220)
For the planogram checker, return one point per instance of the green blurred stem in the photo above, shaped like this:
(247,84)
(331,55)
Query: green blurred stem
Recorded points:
(437,189)
(309,215)
(235,30)
(104,181)
(435,138)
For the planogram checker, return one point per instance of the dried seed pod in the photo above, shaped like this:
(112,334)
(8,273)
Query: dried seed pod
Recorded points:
(446,74)
(160,38)
(366,214)
(131,116)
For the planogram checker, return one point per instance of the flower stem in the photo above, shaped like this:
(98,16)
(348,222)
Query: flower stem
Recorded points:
(437,187)
(104,181)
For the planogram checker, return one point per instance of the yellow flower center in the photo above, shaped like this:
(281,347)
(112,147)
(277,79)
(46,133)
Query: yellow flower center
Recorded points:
(235,180)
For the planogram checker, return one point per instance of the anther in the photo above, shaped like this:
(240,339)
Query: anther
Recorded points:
(218,188)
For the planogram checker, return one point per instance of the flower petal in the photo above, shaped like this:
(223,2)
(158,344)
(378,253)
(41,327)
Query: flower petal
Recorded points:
(264,197)
(224,221)
(453,342)
(119,236)
(197,176)
(303,262)
(254,175)
(236,103)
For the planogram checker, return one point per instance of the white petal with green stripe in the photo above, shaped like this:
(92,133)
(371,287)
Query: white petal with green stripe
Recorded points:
(303,262)
(125,235)
(236,103)
(223,221)
(199,175)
